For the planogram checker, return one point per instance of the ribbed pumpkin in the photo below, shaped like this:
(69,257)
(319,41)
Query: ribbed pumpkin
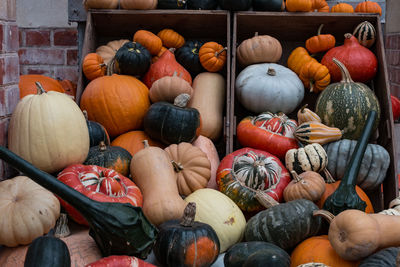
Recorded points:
(342,8)
(320,5)
(138,4)
(317,132)
(191,165)
(320,42)
(308,185)
(125,97)
(93,66)
(212,56)
(345,105)
(27,84)
(365,33)
(315,76)
(188,57)
(304,114)
(132,59)
(133,141)
(97,132)
(368,7)
(107,51)
(171,39)
(168,88)
(149,40)
(299,5)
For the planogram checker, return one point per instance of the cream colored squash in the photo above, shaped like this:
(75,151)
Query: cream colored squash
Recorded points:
(49,130)
(209,90)
(221,213)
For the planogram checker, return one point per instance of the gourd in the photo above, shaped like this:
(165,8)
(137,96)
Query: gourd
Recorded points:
(138,4)
(107,51)
(387,257)
(49,130)
(267,5)
(356,99)
(156,57)
(93,66)
(317,132)
(33,207)
(105,219)
(265,256)
(171,4)
(365,33)
(315,76)
(374,164)
(296,5)
(212,56)
(298,58)
(97,132)
(132,59)
(149,40)
(320,42)
(171,39)
(342,8)
(258,86)
(368,7)
(194,243)
(209,90)
(259,49)
(304,114)
(27,84)
(100,4)
(235,5)
(308,185)
(125,97)
(270,132)
(133,141)
(188,56)
(153,172)
(202,4)
(168,88)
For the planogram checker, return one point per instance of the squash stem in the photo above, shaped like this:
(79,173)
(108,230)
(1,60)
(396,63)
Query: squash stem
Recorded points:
(61,229)
(220,51)
(296,177)
(324,214)
(40,89)
(102,146)
(303,107)
(145,143)
(271,72)
(177,166)
(265,200)
(346,78)
(189,213)
(85,114)
(328,176)
(319,29)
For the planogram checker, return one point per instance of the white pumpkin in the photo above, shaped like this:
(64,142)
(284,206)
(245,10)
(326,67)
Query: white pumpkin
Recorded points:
(49,130)
(269,87)
(221,213)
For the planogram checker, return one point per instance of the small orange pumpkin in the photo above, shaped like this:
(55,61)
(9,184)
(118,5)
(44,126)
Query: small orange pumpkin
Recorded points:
(368,7)
(156,57)
(149,40)
(320,5)
(93,66)
(299,5)
(212,56)
(315,76)
(297,58)
(320,42)
(308,185)
(342,8)
(171,39)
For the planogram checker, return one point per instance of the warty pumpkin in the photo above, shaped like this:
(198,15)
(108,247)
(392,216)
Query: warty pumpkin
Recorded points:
(107,51)
(171,39)
(212,56)
(317,132)
(132,141)
(297,5)
(308,185)
(365,33)
(27,84)
(315,76)
(342,8)
(93,66)
(320,42)
(168,88)
(368,7)
(138,4)
(305,114)
(149,40)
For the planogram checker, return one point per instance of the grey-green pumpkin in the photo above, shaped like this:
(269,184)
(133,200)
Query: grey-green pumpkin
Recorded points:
(382,258)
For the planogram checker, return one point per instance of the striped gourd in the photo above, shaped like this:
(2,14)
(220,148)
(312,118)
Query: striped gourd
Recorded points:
(304,115)
(311,157)
(317,132)
(365,33)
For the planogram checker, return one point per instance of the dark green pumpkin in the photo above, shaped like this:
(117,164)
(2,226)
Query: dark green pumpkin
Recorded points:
(268,5)
(249,253)
(284,225)
(171,4)
(235,5)
(202,4)
(188,57)
(132,59)
(97,132)
(112,157)
(186,243)
(383,258)
(172,123)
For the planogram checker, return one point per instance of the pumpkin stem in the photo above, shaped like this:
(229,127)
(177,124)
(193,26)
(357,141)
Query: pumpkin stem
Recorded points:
(85,114)
(328,176)
(312,86)
(255,34)
(40,89)
(395,203)
(181,100)
(324,214)
(177,166)
(172,50)
(220,51)
(102,146)
(271,72)
(319,29)
(189,213)
(303,107)
(296,177)
(346,78)
(61,228)
(145,143)
(111,67)
(265,200)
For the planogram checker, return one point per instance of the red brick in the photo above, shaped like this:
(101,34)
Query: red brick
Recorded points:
(12,97)
(395,89)
(9,69)
(2,41)
(66,37)
(37,38)
(393,57)
(32,56)
(3,131)
(8,10)
(9,38)
(43,70)
(392,41)
(3,102)
(21,37)
(72,57)
(394,75)
(66,72)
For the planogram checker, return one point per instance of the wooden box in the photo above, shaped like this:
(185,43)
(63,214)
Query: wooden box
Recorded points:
(209,25)
(292,30)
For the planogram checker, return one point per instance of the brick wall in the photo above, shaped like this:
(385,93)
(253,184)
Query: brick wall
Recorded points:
(392,49)
(49,51)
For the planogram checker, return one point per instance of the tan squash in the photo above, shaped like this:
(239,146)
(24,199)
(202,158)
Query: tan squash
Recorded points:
(138,4)
(153,173)
(208,98)
(168,88)
(191,165)
(308,185)
(107,51)
(305,114)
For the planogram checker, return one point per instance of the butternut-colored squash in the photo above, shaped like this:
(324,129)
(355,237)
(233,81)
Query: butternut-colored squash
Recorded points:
(208,98)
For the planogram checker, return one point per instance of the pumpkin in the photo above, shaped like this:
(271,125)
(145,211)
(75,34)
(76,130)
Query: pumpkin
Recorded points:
(270,132)
(221,213)
(97,132)
(107,51)
(188,56)
(106,219)
(171,39)
(385,257)
(119,261)
(297,58)
(111,157)
(356,99)
(132,141)
(132,59)
(299,5)
(166,65)
(156,57)
(317,132)
(266,256)
(365,33)
(149,40)
(153,172)
(28,211)
(194,243)
(69,87)
(320,5)
(269,87)
(318,249)
(208,147)
(304,114)
(359,60)
(235,5)
(93,66)
(267,5)
(48,130)
(315,76)
(125,97)
(138,4)
(191,165)
(308,185)
(320,42)
(100,4)
(395,103)
(244,172)
(212,56)
(209,90)
(27,84)
(100,184)
(202,4)
(284,225)
(239,254)
(374,164)
(259,49)
(168,88)
(172,123)
(342,8)
(171,4)
(368,7)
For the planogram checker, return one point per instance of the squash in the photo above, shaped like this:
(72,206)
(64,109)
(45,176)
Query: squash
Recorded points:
(266,256)
(284,225)
(365,33)
(153,172)
(149,40)
(299,5)
(342,8)
(171,39)
(93,66)
(97,132)
(171,4)
(304,114)
(259,49)
(235,5)
(100,4)
(120,261)
(221,213)
(156,57)
(387,257)
(188,56)
(48,130)
(298,58)
(68,86)
(132,59)
(168,88)
(213,56)
(106,219)
(368,7)
(315,76)
(269,87)
(356,99)
(133,141)
(202,4)
(268,5)
(28,211)
(138,4)
(320,42)
(194,243)
(209,90)
(107,51)
(308,185)
(27,84)
(395,103)
(320,6)
(317,132)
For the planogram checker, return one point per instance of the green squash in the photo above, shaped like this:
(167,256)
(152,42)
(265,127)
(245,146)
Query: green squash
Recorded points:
(97,132)
(188,57)
(171,4)
(132,59)
(383,258)
(235,5)
(202,4)
(268,5)
(345,105)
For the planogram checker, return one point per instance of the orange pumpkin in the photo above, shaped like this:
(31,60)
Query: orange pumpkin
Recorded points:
(299,5)
(171,39)
(27,84)
(320,5)
(320,42)
(149,40)
(156,57)
(212,56)
(315,76)
(133,141)
(297,58)
(368,7)
(342,8)
(118,102)
(69,87)
(93,66)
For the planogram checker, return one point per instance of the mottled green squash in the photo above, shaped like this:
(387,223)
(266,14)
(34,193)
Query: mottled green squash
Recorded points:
(383,258)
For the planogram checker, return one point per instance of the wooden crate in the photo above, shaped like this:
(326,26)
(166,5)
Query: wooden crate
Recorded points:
(292,30)
(208,25)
